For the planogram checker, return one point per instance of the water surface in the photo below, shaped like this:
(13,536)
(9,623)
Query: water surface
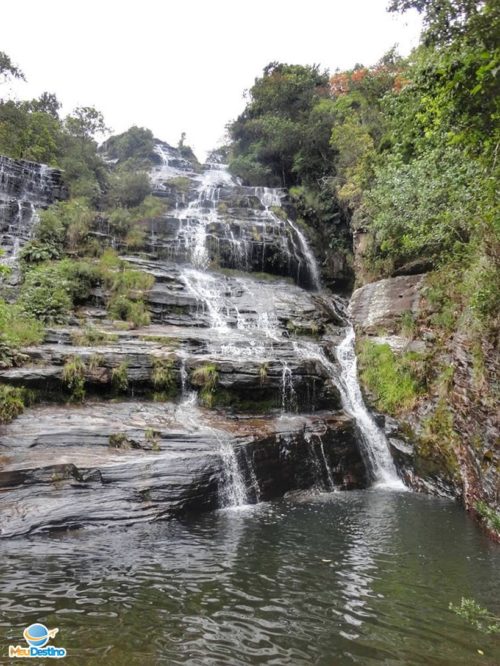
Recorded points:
(347,578)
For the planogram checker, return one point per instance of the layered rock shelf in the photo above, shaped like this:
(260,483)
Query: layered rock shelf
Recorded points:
(232,394)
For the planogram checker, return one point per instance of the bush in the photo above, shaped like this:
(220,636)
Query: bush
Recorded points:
(73,376)
(123,308)
(119,377)
(207,378)
(163,376)
(45,294)
(489,515)
(394,381)
(11,403)
(19,328)
(37,251)
(128,189)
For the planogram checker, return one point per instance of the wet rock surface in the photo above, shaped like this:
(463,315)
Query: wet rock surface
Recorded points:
(231,395)
(25,187)
(126,462)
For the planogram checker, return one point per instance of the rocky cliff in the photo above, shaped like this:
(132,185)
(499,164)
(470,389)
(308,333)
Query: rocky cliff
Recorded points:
(225,397)
(445,440)
(25,187)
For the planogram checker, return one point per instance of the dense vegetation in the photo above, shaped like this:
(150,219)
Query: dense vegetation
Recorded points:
(405,151)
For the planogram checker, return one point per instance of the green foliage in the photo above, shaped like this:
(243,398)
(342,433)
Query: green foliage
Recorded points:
(490,517)
(163,376)
(45,294)
(92,336)
(119,440)
(36,251)
(8,69)
(438,439)
(19,329)
(132,150)
(207,378)
(119,377)
(180,183)
(271,138)
(123,308)
(480,618)
(394,381)
(65,224)
(73,376)
(11,403)
(128,189)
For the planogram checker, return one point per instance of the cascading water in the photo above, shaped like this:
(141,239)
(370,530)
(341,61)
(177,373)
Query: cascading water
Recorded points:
(24,188)
(203,226)
(375,444)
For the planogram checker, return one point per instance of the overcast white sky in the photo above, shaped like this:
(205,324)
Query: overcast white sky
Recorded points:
(182,65)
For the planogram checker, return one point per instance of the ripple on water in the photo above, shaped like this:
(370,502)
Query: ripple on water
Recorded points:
(359,577)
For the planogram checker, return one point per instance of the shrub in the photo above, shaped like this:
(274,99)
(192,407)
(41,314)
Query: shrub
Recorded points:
(73,376)
(19,329)
(489,515)
(11,403)
(91,336)
(119,377)
(480,618)
(207,378)
(122,308)
(36,251)
(392,380)
(128,188)
(163,376)
(45,294)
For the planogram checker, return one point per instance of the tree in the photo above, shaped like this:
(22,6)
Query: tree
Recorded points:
(46,103)
(8,69)
(86,123)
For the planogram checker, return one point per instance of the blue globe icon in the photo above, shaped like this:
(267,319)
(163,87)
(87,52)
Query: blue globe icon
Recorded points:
(37,635)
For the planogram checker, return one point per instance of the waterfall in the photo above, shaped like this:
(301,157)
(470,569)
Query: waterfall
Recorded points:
(312,264)
(375,445)
(320,463)
(288,394)
(232,491)
(24,188)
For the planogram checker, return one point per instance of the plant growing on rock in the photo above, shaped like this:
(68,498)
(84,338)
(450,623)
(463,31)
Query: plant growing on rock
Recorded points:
(73,376)
(19,329)
(393,381)
(119,440)
(207,378)
(119,377)
(163,376)
(11,403)
(91,336)
(263,372)
(488,515)
(152,437)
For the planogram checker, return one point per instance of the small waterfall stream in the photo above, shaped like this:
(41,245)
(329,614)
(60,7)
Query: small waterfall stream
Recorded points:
(375,444)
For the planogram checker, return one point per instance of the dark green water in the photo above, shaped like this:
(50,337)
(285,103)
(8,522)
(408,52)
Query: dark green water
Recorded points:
(349,578)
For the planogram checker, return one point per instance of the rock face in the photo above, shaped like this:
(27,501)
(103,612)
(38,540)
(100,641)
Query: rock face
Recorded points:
(126,462)
(379,305)
(227,397)
(24,188)
(463,458)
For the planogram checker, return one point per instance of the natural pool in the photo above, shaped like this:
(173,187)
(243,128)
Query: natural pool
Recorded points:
(343,578)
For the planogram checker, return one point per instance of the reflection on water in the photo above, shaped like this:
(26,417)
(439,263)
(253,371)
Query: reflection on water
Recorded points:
(347,578)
